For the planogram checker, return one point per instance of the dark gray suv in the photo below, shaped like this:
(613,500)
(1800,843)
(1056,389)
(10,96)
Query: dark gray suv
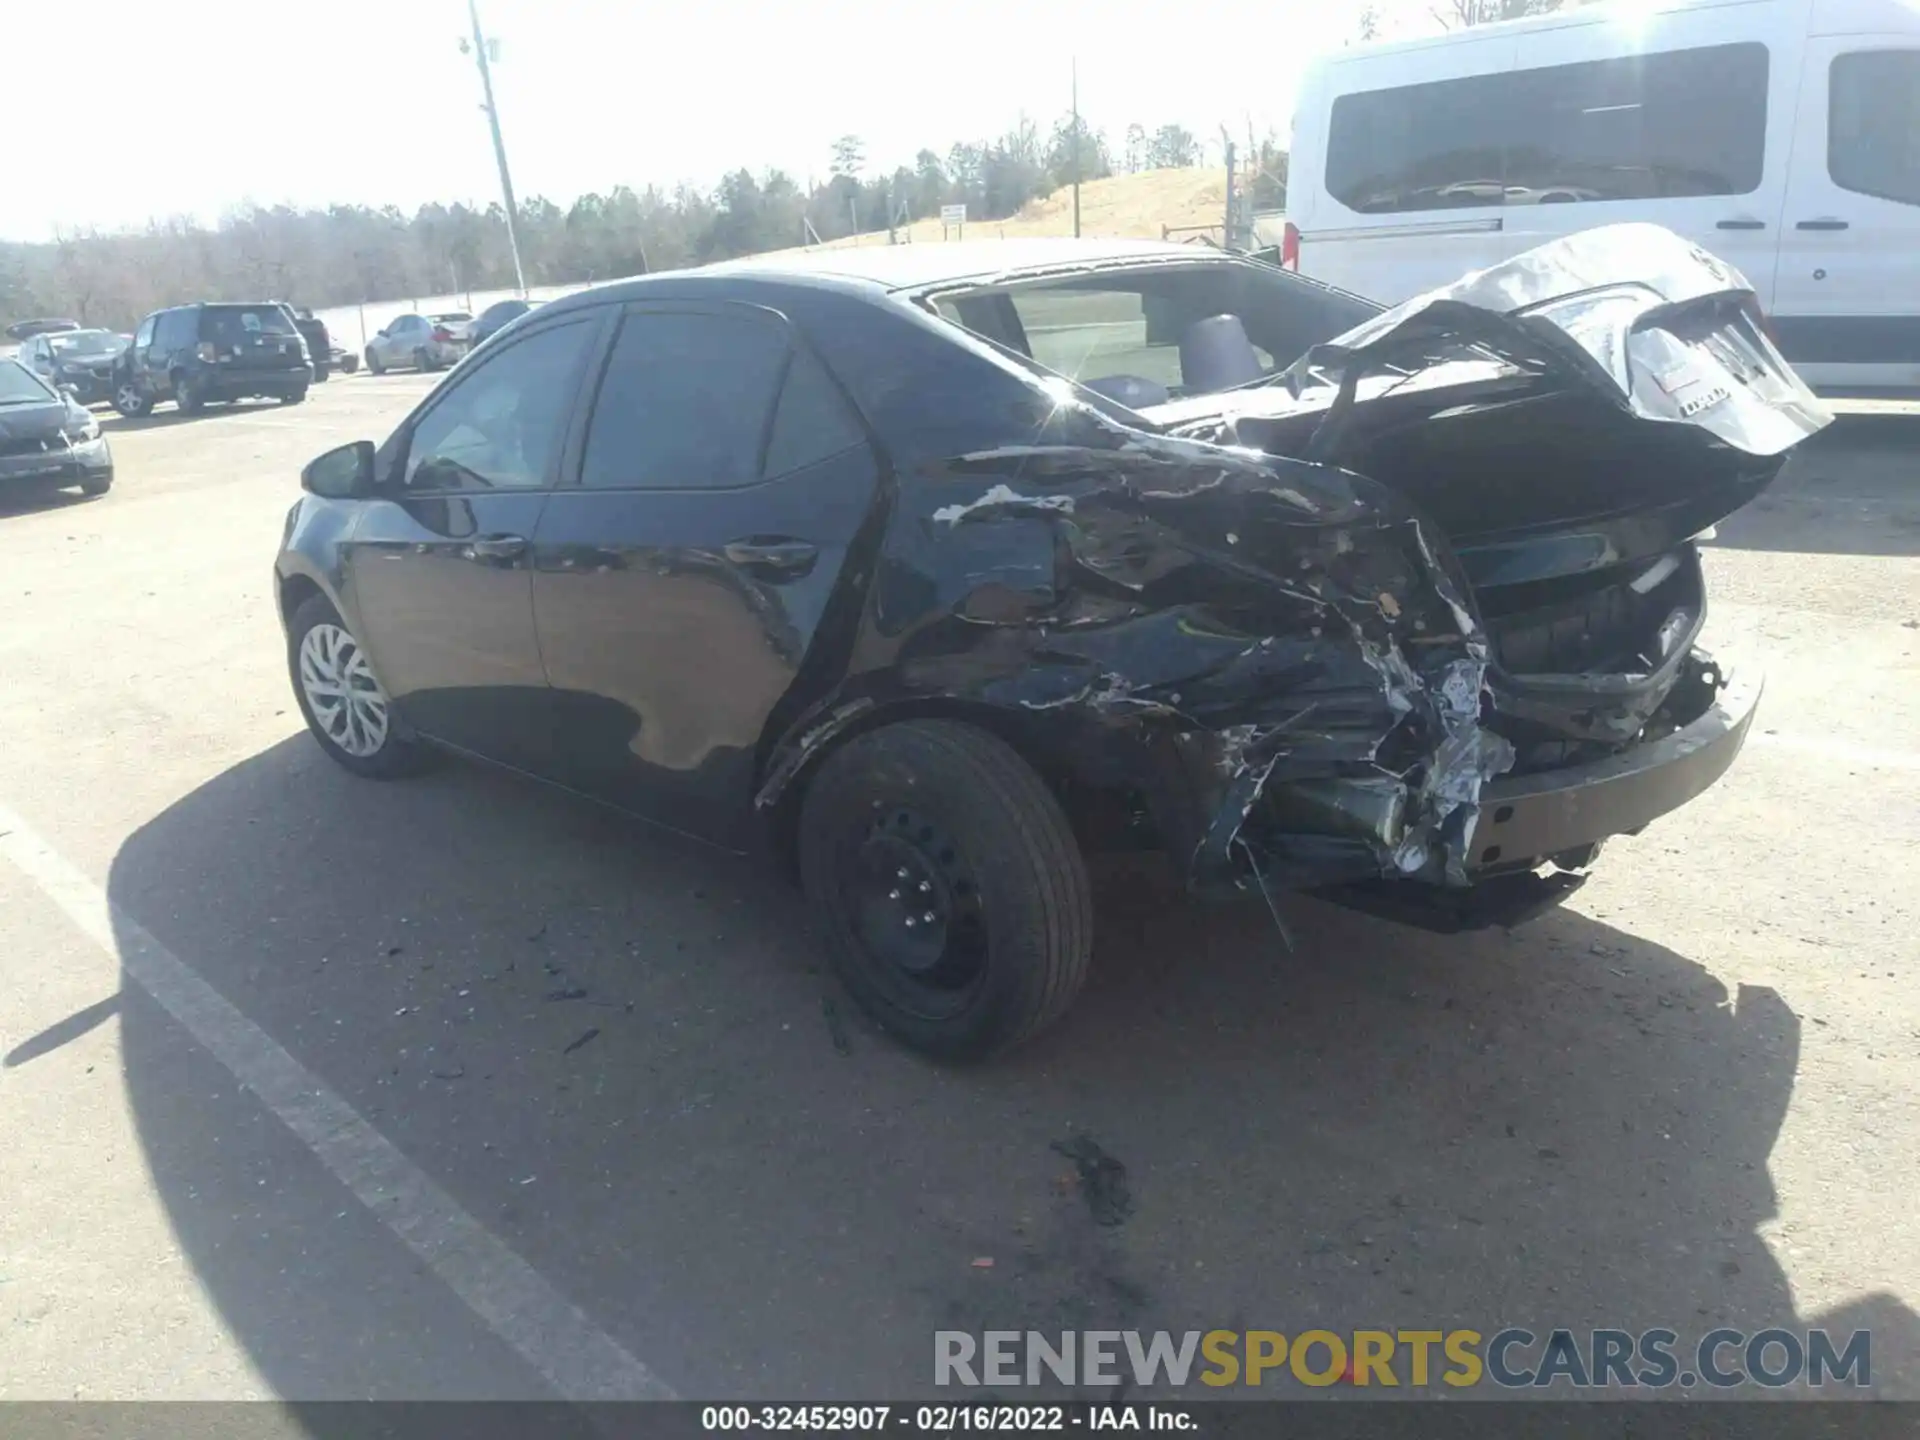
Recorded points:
(194,355)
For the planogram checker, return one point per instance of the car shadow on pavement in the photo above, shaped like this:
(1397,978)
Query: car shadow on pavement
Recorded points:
(1854,489)
(25,500)
(622,1055)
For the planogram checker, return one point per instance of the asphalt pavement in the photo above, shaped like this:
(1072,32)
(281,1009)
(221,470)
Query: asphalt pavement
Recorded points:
(316,1088)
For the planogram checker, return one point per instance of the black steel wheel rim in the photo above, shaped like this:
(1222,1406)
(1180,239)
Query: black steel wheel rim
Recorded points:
(914,910)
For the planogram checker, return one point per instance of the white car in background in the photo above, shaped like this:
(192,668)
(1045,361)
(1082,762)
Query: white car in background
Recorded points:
(420,342)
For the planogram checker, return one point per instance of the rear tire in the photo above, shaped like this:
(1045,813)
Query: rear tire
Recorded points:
(374,367)
(341,701)
(423,362)
(948,885)
(349,364)
(96,487)
(294,397)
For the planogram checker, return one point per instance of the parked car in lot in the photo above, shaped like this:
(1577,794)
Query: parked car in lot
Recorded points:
(195,355)
(344,360)
(1783,135)
(424,342)
(48,440)
(82,360)
(930,566)
(319,343)
(27,329)
(497,317)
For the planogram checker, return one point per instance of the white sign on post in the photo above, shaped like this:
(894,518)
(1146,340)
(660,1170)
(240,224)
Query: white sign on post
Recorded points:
(953,215)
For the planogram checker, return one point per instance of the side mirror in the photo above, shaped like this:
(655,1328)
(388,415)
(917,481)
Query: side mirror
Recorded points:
(345,473)
(72,392)
(379,334)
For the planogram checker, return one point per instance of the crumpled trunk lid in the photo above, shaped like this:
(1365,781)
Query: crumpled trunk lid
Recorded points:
(1571,420)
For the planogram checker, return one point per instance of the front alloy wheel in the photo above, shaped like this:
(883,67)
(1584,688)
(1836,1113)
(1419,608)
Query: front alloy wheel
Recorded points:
(128,400)
(348,705)
(342,699)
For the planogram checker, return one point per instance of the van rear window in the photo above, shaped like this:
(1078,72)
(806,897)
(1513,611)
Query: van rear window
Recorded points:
(1671,123)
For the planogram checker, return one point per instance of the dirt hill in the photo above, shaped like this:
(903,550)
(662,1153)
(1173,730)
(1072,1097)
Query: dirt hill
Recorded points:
(1119,206)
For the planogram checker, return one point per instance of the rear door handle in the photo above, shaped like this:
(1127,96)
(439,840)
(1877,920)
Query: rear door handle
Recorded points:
(497,547)
(777,558)
(1741,225)
(1821,225)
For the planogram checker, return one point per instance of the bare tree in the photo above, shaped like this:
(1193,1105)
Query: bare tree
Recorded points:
(849,156)
(1459,14)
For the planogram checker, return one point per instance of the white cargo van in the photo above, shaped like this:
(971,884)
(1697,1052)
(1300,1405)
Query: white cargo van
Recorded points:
(1782,135)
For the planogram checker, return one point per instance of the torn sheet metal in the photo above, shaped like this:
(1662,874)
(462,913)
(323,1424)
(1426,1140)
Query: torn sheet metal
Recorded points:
(1310,619)
(1292,620)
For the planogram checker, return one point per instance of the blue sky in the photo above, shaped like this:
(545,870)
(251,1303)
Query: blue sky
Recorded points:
(194,106)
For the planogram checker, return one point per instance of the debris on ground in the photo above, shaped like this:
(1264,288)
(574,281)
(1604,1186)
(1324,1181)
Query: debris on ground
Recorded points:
(837,1029)
(985,1262)
(1103,1179)
(584,1038)
(570,993)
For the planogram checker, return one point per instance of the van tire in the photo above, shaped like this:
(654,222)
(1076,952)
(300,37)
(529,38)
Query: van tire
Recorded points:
(937,818)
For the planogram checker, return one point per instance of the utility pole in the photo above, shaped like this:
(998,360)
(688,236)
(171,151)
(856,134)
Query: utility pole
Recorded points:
(1076,147)
(1230,225)
(499,145)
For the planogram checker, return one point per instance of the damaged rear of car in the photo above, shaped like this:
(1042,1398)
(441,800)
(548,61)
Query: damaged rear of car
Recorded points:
(1411,621)
(943,565)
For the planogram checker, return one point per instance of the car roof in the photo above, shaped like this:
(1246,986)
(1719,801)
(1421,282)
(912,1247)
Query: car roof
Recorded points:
(930,263)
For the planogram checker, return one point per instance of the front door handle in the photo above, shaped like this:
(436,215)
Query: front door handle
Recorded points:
(497,547)
(1822,224)
(776,558)
(1741,225)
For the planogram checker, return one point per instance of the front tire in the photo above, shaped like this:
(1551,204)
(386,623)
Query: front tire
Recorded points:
(186,395)
(374,367)
(948,885)
(342,702)
(130,402)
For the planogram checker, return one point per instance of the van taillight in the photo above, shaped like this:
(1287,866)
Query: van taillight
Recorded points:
(1290,246)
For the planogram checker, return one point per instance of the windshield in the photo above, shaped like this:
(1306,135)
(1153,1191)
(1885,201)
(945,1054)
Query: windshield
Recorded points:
(19,386)
(1142,335)
(87,342)
(232,323)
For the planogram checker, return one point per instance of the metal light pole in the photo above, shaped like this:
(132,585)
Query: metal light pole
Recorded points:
(1076,147)
(499,145)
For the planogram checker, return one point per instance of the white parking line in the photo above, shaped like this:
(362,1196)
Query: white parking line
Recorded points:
(1840,750)
(574,1356)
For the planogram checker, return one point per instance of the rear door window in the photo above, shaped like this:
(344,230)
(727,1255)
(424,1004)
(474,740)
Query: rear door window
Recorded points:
(684,402)
(1873,124)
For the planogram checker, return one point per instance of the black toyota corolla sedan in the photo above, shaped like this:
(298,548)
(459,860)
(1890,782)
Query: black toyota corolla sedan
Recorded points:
(48,440)
(935,567)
